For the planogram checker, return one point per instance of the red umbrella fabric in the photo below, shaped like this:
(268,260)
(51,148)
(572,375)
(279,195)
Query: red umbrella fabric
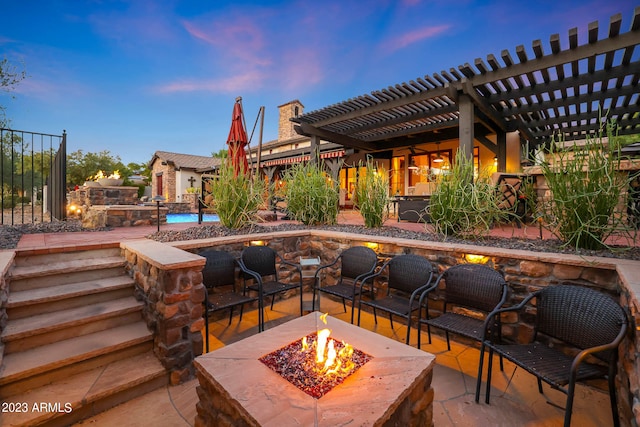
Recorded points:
(237,140)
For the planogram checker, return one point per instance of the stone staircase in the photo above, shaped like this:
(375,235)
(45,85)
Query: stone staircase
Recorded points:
(75,343)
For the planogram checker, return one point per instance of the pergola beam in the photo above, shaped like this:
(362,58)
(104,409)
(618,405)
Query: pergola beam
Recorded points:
(308,130)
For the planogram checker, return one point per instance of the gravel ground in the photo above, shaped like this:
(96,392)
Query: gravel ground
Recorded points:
(10,235)
(547,245)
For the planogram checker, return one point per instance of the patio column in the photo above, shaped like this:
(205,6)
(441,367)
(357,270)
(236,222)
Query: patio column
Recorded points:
(315,150)
(466,131)
(501,139)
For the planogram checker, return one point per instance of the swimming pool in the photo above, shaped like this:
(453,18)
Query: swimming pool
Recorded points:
(176,218)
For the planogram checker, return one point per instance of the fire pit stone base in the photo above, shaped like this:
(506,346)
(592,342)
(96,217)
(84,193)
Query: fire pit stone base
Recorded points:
(236,389)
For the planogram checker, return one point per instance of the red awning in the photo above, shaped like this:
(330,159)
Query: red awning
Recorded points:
(302,158)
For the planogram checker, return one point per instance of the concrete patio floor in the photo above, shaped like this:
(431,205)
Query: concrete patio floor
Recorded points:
(515,400)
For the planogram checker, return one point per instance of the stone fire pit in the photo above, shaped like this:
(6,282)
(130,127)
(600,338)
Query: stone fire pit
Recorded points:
(393,388)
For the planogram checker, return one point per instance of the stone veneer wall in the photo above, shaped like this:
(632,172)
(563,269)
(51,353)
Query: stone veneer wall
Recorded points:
(191,200)
(169,282)
(123,216)
(92,196)
(525,271)
(6,261)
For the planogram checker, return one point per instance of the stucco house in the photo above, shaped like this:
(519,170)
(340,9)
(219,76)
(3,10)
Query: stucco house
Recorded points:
(173,173)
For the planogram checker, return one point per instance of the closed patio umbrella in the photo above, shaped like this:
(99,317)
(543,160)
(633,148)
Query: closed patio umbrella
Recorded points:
(237,140)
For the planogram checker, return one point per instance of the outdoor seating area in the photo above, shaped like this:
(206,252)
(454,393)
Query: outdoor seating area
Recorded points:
(455,376)
(471,305)
(515,398)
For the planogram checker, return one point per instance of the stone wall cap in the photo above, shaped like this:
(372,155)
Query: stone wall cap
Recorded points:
(6,261)
(162,255)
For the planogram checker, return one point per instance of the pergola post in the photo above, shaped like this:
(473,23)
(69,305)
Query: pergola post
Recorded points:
(501,155)
(466,119)
(314,159)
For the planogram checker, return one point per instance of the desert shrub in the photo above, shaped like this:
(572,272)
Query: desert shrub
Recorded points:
(462,206)
(585,190)
(372,196)
(236,199)
(312,196)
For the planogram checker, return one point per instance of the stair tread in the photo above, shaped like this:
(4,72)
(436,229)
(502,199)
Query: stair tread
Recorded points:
(43,323)
(62,353)
(25,272)
(86,387)
(54,293)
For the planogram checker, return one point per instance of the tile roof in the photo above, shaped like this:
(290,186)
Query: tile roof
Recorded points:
(186,161)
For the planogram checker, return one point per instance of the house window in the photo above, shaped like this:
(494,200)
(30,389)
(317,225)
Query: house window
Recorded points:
(296,111)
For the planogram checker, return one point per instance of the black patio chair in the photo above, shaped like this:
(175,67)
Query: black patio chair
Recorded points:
(219,279)
(408,277)
(579,317)
(259,263)
(356,263)
(476,288)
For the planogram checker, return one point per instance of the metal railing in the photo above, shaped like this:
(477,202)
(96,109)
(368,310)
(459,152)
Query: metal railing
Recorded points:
(33,168)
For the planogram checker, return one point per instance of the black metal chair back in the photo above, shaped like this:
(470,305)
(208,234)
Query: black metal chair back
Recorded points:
(408,273)
(260,262)
(409,276)
(220,271)
(260,259)
(579,316)
(356,263)
(473,286)
(575,316)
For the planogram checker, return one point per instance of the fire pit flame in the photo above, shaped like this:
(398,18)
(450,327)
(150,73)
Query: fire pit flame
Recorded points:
(316,373)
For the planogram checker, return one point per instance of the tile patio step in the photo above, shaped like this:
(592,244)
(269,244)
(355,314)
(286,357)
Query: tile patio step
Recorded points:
(88,393)
(30,332)
(105,287)
(38,366)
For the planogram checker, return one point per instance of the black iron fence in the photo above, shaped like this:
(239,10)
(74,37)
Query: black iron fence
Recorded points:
(33,168)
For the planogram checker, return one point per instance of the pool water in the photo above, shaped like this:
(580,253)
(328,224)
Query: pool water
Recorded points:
(176,218)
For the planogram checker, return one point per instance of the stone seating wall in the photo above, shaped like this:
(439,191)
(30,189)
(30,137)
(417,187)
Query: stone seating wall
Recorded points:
(173,289)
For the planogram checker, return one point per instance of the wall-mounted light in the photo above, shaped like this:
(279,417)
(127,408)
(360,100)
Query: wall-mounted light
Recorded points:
(372,245)
(255,243)
(476,259)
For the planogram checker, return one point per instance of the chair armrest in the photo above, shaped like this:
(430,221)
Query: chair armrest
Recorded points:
(364,278)
(430,288)
(254,275)
(498,311)
(421,290)
(588,351)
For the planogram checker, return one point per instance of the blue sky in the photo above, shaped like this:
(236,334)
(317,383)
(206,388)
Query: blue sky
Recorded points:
(136,76)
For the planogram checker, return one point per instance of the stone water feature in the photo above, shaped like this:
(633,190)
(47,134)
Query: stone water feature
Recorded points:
(114,206)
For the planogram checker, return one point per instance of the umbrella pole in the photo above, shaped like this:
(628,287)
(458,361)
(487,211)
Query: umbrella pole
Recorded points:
(260,142)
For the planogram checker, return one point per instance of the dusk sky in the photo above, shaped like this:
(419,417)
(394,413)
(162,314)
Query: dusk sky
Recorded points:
(136,76)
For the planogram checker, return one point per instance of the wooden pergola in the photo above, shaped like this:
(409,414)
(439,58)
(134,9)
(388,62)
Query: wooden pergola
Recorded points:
(564,88)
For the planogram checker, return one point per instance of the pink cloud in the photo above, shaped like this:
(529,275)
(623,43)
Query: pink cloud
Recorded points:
(406,39)
(231,84)
(236,40)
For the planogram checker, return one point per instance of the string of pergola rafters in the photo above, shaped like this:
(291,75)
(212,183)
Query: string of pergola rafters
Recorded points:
(564,87)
